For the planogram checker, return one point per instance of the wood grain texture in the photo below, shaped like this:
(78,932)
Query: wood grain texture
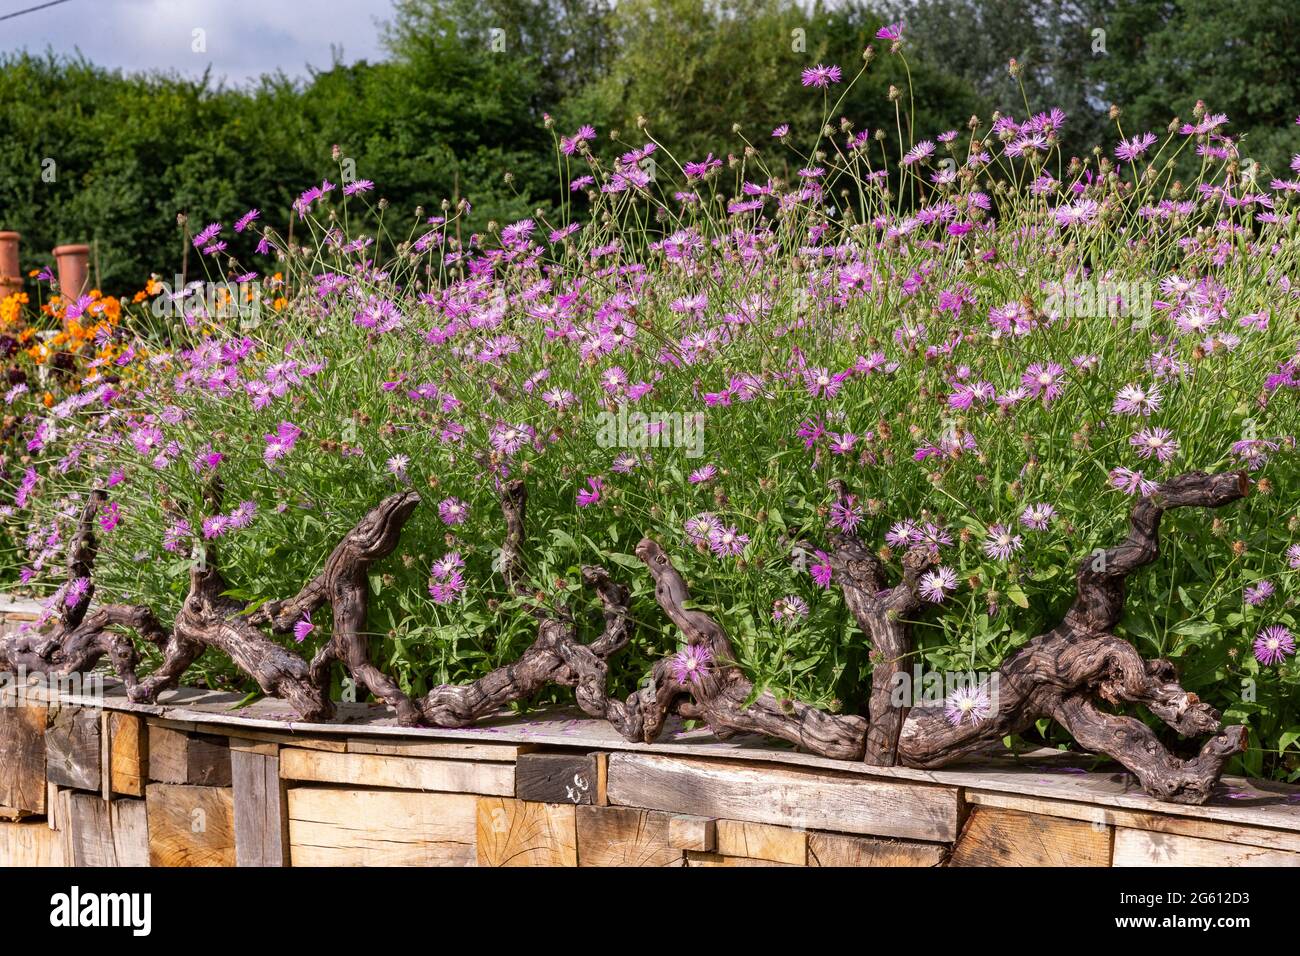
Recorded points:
(515,833)
(336,827)
(558,778)
(762,841)
(784,796)
(717,859)
(72,749)
(30,843)
(261,815)
(404,773)
(444,749)
(1144,848)
(625,836)
(837,849)
(22,757)
(190,826)
(996,837)
(181,758)
(100,833)
(128,759)
(1271,839)
(686,832)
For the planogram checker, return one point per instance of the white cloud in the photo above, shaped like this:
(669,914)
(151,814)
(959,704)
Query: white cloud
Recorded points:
(243,38)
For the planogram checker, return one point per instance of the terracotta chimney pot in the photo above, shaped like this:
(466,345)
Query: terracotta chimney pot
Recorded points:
(72,263)
(11,278)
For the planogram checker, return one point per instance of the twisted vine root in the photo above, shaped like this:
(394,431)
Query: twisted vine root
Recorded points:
(556,656)
(1061,674)
(79,640)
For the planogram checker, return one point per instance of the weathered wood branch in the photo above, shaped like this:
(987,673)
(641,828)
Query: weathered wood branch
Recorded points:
(77,642)
(1063,675)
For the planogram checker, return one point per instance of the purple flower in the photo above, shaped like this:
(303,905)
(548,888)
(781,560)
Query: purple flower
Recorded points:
(728,542)
(789,609)
(892,31)
(692,664)
(246,220)
(1258,593)
(969,704)
(1273,644)
(1130,149)
(302,628)
(822,571)
(78,588)
(453,511)
(591,494)
(1037,516)
(1155,441)
(701,475)
(280,442)
(1001,543)
(700,528)
(935,585)
(822,76)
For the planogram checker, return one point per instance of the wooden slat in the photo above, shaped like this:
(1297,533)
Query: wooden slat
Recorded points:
(686,832)
(515,833)
(625,836)
(404,773)
(784,796)
(717,859)
(1137,820)
(762,841)
(72,751)
(838,849)
(130,823)
(558,778)
(30,843)
(190,826)
(22,757)
(260,814)
(337,827)
(182,758)
(128,754)
(445,749)
(1144,848)
(996,837)
(101,833)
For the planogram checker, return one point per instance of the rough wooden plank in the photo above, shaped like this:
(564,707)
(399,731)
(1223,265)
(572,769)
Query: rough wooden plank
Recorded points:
(716,859)
(105,756)
(30,843)
(72,749)
(516,833)
(445,749)
(761,841)
(625,836)
(128,760)
(784,796)
(403,773)
(261,814)
(686,832)
(558,778)
(996,837)
(838,849)
(22,757)
(337,827)
(130,824)
(89,830)
(1144,848)
(1137,820)
(181,758)
(190,826)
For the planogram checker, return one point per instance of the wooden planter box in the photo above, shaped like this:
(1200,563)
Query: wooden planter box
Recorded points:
(193,782)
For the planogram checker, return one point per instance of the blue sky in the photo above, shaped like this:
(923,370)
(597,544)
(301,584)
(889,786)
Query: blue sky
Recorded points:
(244,38)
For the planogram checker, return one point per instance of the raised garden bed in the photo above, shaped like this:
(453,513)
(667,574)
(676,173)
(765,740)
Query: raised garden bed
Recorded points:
(195,780)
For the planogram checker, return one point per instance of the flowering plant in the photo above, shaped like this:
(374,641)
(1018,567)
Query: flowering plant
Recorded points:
(993,351)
